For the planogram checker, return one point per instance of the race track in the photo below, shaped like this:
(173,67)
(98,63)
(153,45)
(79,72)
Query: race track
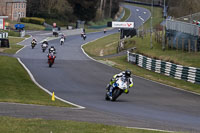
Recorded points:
(76,78)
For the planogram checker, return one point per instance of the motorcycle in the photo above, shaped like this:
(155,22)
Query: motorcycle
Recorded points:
(119,86)
(33,44)
(51,58)
(84,36)
(44,47)
(104,31)
(62,41)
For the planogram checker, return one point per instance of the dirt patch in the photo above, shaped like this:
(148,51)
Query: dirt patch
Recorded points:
(2,49)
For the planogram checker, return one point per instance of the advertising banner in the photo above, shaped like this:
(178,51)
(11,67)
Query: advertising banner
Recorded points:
(123,24)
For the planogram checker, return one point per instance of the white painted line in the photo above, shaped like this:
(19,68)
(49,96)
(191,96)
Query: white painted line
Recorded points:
(25,40)
(35,105)
(90,42)
(21,49)
(46,34)
(24,45)
(150,129)
(141,18)
(33,79)
(49,39)
(145,12)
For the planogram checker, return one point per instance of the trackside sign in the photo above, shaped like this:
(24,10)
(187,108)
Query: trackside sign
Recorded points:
(123,24)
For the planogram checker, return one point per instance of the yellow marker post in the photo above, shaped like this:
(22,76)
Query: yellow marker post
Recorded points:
(53,97)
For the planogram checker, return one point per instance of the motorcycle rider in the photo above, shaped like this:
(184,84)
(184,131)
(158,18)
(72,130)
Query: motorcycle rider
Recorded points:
(104,31)
(34,40)
(62,39)
(45,42)
(84,36)
(63,36)
(52,50)
(127,76)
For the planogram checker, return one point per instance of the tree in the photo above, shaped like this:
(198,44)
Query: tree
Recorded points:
(85,10)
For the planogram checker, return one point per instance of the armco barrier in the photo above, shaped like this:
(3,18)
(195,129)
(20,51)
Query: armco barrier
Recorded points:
(190,74)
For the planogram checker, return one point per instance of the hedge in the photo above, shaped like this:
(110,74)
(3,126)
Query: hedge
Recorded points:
(33,20)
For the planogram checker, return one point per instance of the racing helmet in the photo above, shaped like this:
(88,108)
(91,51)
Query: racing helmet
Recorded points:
(127,73)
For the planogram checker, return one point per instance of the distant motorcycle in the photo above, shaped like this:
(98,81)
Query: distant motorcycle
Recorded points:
(33,44)
(62,40)
(84,36)
(104,31)
(51,59)
(118,88)
(44,47)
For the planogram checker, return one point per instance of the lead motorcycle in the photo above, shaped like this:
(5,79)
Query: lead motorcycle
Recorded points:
(33,44)
(51,59)
(119,86)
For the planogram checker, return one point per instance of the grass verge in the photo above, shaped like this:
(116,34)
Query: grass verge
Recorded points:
(19,125)
(126,15)
(16,85)
(13,45)
(175,56)
(104,46)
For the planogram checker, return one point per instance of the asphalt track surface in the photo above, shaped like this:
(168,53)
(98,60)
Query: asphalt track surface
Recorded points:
(76,78)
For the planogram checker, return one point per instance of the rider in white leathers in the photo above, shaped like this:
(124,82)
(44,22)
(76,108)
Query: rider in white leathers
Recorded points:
(127,75)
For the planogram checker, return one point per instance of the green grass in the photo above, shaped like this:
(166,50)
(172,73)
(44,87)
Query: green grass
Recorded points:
(107,44)
(99,23)
(13,45)
(19,125)
(28,26)
(178,57)
(13,33)
(13,49)
(126,15)
(16,85)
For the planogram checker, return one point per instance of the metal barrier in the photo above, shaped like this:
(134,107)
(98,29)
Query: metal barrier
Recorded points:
(3,35)
(190,74)
(183,27)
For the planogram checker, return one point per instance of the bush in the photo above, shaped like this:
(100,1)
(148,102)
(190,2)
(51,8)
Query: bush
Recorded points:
(13,33)
(25,20)
(33,20)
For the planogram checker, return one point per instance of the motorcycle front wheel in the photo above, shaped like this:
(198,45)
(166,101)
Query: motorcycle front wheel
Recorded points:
(116,94)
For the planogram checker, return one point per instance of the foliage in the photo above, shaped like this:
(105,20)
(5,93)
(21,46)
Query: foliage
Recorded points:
(13,33)
(33,20)
(72,10)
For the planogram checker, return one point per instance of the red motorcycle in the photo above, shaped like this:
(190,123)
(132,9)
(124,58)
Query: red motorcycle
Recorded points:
(51,58)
